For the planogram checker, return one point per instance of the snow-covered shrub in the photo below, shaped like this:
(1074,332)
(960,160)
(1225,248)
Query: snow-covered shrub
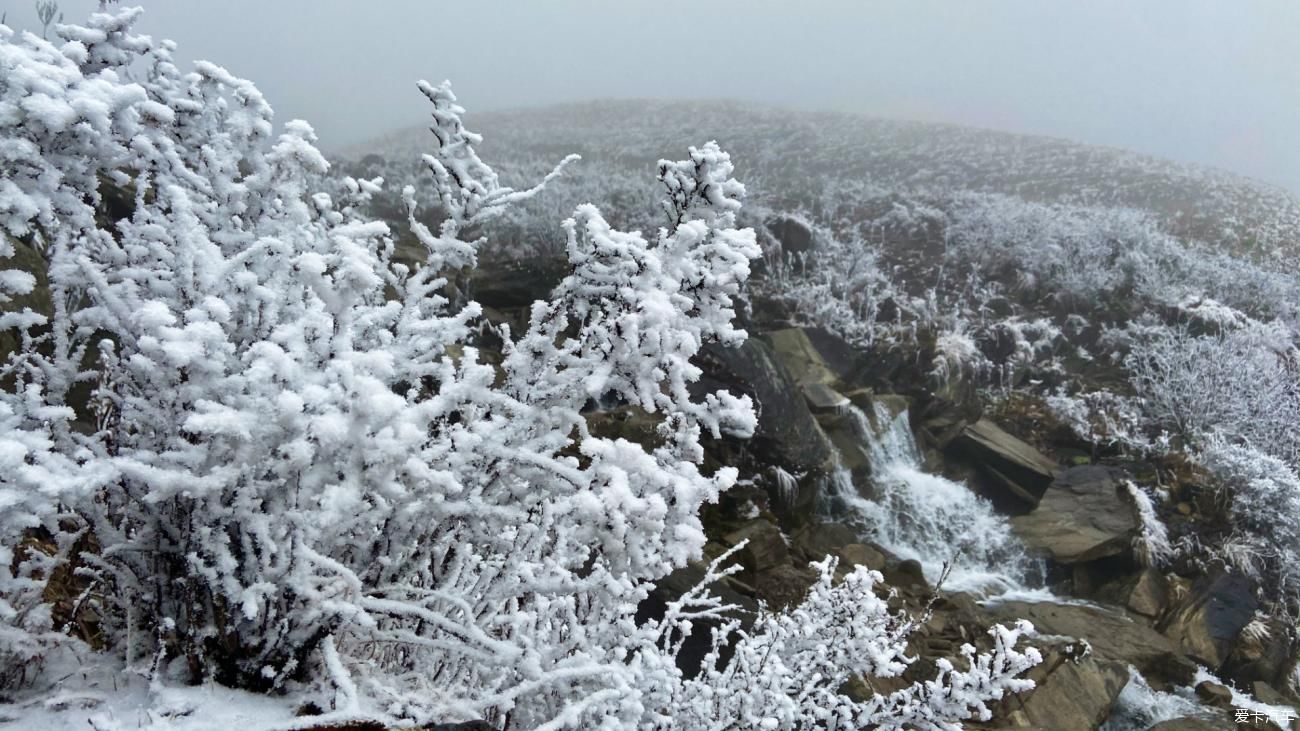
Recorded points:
(294,464)
(1105,418)
(1241,383)
(1264,493)
(789,670)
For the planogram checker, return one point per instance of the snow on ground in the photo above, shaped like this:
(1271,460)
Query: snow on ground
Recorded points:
(104,696)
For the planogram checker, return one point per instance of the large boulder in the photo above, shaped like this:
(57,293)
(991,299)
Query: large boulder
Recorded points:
(818,540)
(1084,515)
(800,357)
(823,399)
(765,547)
(1010,464)
(794,235)
(1114,636)
(787,433)
(1146,592)
(1074,690)
(1207,623)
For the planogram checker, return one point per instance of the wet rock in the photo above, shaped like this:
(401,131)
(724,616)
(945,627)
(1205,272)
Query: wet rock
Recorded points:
(802,360)
(1114,636)
(1074,691)
(1011,464)
(1083,516)
(1262,654)
(823,399)
(466,726)
(861,554)
(1208,621)
(787,433)
(765,549)
(1214,694)
(818,540)
(868,401)
(1146,592)
(907,576)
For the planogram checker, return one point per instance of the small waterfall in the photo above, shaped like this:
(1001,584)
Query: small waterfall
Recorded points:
(929,518)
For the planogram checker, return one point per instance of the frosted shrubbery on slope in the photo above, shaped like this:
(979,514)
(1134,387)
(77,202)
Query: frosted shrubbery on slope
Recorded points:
(295,472)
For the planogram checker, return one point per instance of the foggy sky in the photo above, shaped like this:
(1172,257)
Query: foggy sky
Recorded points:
(1210,82)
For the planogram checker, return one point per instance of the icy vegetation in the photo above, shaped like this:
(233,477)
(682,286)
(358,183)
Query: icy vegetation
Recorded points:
(250,446)
(1008,261)
(1142,314)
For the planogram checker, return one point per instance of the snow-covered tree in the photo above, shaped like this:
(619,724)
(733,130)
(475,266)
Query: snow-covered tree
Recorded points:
(270,454)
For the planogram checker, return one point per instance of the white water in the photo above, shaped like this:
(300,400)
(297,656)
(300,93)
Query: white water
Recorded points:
(929,518)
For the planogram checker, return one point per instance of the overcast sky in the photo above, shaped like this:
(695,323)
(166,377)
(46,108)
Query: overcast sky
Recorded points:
(1209,82)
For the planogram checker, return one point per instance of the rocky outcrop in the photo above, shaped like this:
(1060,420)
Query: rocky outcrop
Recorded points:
(823,399)
(1207,623)
(1083,516)
(787,433)
(1010,465)
(1113,636)
(1145,592)
(764,548)
(1075,690)
(795,236)
(801,358)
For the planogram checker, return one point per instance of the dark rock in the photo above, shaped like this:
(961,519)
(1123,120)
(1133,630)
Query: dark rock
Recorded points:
(861,554)
(800,357)
(1214,694)
(783,586)
(1083,516)
(513,285)
(1146,592)
(1114,636)
(908,576)
(1208,621)
(819,540)
(823,399)
(1262,654)
(39,300)
(700,641)
(794,235)
(1073,692)
(787,433)
(765,547)
(1011,463)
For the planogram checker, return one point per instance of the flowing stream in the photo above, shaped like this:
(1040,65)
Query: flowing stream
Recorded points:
(929,518)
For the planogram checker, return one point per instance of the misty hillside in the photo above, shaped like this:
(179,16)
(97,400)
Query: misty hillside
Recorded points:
(798,159)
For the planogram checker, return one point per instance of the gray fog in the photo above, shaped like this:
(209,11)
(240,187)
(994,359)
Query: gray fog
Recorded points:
(1192,80)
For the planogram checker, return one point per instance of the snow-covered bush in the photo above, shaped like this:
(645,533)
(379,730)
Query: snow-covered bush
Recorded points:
(1264,491)
(1240,383)
(789,670)
(295,466)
